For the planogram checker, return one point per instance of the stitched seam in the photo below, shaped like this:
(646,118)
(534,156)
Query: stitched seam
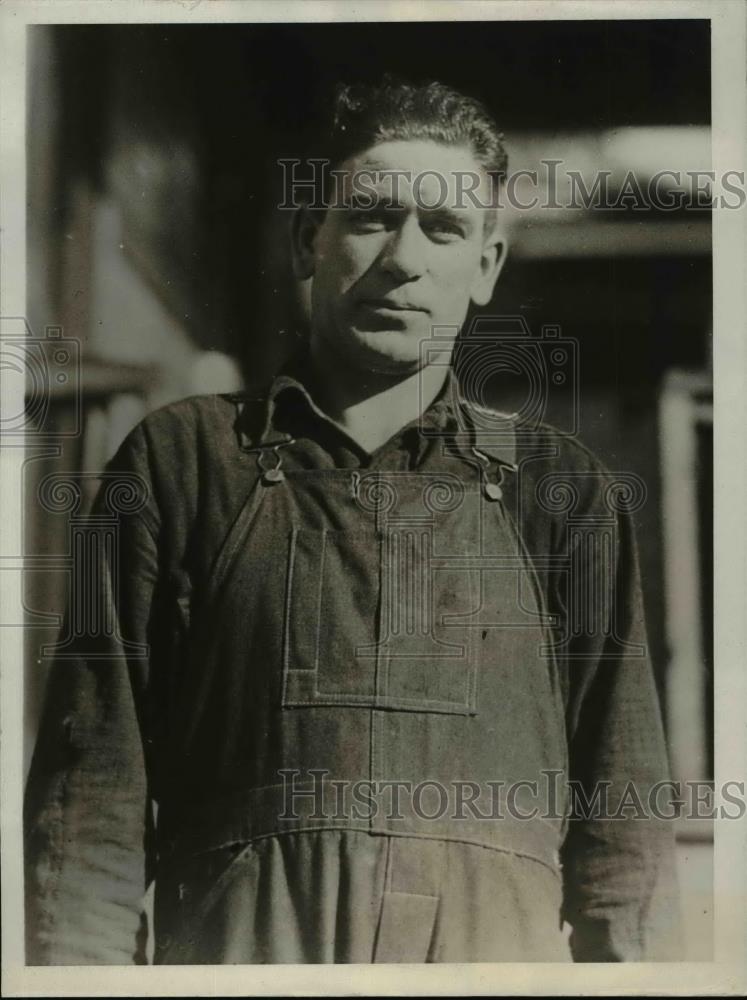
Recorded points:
(288,603)
(527,855)
(385,889)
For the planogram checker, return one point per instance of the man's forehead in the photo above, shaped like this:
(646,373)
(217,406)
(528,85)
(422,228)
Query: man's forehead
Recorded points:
(426,170)
(416,156)
(417,150)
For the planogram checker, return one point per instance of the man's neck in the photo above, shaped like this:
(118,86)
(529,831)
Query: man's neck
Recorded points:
(371,406)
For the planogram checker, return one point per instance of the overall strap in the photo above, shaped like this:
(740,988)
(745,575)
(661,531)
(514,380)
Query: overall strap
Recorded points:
(257,442)
(204,614)
(517,457)
(493,442)
(511,457)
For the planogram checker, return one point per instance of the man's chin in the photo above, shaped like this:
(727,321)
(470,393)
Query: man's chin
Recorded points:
(387,352)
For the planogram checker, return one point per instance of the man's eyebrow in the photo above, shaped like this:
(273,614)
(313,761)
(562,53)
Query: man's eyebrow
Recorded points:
(447,213)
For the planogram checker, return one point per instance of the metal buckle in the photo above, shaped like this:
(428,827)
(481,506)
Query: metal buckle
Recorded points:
(270,473)
(493,491)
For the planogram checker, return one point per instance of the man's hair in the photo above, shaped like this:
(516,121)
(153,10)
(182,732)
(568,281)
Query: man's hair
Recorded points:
(362,115)
(366,114)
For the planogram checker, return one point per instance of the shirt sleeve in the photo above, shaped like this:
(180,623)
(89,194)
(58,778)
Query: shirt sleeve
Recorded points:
(86,812)
(621,895)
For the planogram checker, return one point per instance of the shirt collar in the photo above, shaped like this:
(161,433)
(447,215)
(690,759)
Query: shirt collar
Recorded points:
(450,414)
(289,382)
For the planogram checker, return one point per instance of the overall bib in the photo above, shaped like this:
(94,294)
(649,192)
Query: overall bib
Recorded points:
(385,782)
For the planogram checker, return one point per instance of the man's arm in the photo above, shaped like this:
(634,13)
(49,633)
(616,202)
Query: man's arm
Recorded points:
(86,798)
(621,895)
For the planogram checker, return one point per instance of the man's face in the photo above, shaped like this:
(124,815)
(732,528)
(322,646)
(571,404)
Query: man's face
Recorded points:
(385,276)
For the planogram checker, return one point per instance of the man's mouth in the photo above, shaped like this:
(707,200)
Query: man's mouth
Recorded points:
(391,305)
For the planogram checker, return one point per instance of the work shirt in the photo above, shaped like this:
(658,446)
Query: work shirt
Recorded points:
(331,701)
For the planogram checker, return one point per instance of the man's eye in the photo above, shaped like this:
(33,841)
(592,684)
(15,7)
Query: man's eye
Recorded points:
(443,229)
(370,219)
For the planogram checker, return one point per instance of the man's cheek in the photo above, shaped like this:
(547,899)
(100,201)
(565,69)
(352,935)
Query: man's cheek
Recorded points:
(455,284)
(458,269)
(349,265)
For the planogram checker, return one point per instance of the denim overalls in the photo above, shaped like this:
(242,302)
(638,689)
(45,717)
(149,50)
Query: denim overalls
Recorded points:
(375,643)
(359,707)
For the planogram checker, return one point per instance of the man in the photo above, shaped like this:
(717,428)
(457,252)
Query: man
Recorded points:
(349,690)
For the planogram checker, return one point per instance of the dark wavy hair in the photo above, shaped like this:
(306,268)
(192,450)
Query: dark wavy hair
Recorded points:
(365,114)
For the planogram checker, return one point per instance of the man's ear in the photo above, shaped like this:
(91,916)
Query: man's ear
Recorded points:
(304,228)
(492,260)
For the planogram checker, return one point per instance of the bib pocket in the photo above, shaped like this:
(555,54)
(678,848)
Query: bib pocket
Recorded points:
(372,620)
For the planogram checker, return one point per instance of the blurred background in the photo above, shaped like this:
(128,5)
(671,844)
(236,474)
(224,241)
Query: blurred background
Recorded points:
(155,243)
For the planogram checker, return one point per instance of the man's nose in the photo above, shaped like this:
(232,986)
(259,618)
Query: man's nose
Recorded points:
(404,254)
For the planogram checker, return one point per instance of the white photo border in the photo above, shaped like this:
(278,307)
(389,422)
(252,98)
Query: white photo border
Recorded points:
(727,974)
